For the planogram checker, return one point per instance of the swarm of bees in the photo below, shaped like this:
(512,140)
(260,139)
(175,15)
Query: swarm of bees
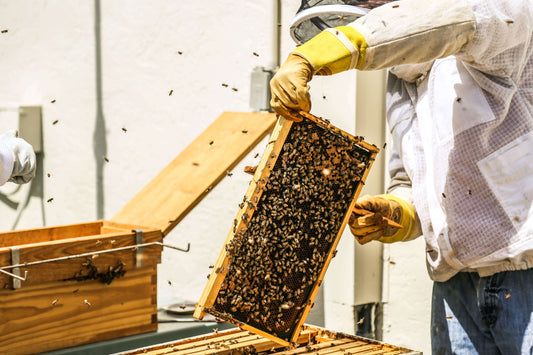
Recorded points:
(280,247)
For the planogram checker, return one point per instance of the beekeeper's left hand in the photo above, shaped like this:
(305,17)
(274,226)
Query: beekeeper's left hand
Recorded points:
(17,159)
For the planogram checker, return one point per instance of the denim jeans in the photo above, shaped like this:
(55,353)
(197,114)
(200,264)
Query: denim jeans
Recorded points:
(483,315)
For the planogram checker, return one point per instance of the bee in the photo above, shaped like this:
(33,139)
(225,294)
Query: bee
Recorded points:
(87,303)
(509,21)
(256,155)
(124,129)
(48,175)
(443,195)
(234,89)
(458,99)
(244,131)
(229,173)
(76,290)
(180,52)
(225,85)
(50,199)
(55,122)
(54,302)
(169,282)
(4,31)
(106,159)
(195,163)
(256,54)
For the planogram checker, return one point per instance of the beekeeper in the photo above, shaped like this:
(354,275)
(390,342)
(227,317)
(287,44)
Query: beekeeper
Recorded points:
(17,159)
(460,108)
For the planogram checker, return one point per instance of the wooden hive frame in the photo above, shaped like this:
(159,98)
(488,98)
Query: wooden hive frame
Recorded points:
(253,199)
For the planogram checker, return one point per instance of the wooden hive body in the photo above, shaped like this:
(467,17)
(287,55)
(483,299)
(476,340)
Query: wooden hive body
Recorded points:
(311,340)
(287,229)
(74,294)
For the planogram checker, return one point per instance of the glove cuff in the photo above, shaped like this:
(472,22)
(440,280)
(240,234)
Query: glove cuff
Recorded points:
(407,221)
(6,163)
(334,50)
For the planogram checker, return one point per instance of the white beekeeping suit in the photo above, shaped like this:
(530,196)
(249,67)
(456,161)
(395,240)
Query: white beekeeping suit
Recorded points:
(460,110)
(17,159)
(461,120)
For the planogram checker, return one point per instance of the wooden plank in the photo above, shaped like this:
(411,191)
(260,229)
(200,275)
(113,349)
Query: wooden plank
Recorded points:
(80,267)
(167,199)
(332,157)
(63,314)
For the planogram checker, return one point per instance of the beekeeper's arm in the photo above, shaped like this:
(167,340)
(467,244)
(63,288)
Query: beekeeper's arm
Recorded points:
(397,33)
(17,159)
(398,204)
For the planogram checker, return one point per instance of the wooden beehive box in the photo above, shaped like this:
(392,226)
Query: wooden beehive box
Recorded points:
(287,229)
(94,281)
(311,341)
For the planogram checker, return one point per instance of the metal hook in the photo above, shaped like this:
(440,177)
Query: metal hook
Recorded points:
(180,249)
(16,276)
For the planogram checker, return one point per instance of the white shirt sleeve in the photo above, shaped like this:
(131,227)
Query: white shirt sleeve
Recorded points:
(6,163)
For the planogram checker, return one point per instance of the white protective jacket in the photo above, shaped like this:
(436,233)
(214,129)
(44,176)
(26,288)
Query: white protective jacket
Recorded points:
(462,129)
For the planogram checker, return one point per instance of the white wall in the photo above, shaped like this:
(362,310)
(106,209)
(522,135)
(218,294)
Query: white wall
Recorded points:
(110,67)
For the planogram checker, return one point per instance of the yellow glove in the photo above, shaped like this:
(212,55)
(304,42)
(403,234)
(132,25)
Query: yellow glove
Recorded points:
(374,226)
(325,54)
(290,92)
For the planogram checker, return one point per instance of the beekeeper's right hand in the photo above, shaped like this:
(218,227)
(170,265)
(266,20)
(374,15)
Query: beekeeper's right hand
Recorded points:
(17,159)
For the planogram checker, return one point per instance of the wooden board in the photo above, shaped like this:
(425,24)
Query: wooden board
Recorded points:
(174,192)
(62,314)
(312,340)
(281,138)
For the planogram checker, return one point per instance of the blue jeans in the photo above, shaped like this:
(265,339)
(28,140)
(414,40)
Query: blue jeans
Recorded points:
(483,315)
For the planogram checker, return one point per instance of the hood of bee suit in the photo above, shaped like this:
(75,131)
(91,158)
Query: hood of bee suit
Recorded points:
(314,16)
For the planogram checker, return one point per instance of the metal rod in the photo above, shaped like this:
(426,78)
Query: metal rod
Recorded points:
(88,254)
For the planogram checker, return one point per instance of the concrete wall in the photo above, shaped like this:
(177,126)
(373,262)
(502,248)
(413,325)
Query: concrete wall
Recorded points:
(102,72)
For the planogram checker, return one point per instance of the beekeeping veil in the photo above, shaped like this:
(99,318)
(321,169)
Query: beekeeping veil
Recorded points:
(314,16)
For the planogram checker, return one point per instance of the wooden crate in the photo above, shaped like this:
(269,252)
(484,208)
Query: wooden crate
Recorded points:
(287,229)
(311,341)
(95,281)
